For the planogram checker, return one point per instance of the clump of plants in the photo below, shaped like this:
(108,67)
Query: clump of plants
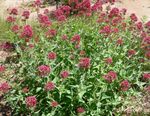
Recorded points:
(83,65)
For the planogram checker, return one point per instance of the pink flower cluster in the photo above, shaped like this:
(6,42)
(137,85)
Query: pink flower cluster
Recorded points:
(31,101)
(4,87)
(44,70)
(110,76)
(125,85)
(27,32)
(84,63)
(44,20)
(52,55)
(49,86)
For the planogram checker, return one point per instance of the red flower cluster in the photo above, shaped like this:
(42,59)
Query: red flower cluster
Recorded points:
(84,63)
(110,76)
(44,70)
(26,14)
(10,19)
(109,60)
(146,76)
(27,31)
(106,30)
(13,11)
(37,2)
(97,6)
(133,17)
(4,87)
(51,33)
(2,68)
(31,101)
(54,103)
(15,28)
(125,85)
(131,52)
(52,55)
(44,20)
(119,41)
(80,110)
(114,13)
(64,74)
(62,12)
(25,90)
(49,86)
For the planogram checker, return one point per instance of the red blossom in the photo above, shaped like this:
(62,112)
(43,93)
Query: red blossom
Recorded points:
(119,41)
(15,28)
(10,19)
(44,20)
(37,2)
(80,110)
(106,30)
(49,86)
(14,11)
(64,74)
(97,6)
(64,37)
(84,63)
(131,52)
(44,70)
(4,87)
(114,13)
(54,103)
(52,55)
(27,31)
(51,33)
(133,17)
(76,38)
(110,76)
(147,54)
(139,26)
(125,85)
(2,68)
(109,60)
(26,14)
(31,101)
(146,76)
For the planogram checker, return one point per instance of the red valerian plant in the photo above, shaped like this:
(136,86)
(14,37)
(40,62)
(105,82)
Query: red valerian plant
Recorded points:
(44,70)
(27,32)
(146,76)
(84,63)
(54,103)
(2,68)
(64,74)
(4,87)
(125,85)
(49,86)
(80,110)
(26,14)
(31,101)
(52,55)
(110,76)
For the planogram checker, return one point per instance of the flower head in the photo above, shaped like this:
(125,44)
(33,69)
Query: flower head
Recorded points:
(44,70)
(4,87)
(110,76)
(52,55)
(2,68)
(31,101)
(80,110)
(27,31)
(64,74)
(54,103)
(146,76)
(84,63)
(125,85)
(49,86)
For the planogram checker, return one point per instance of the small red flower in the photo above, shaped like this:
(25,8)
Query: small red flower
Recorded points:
(82,53)
(26,14)
(125,85)
(14,11)
(84,63)
(44,20)
(15,28)
(51,33)
(44,70)
(146,76)
(27,31)
(31,101)
(64,74)
(76,38)
(10,19)
(109,60)
(133,17)
(119,41)
(52,55)
(106,30)
(54,103)
(49,86)
(64,37)
(37,2)
(4,87)
(2,68)
(110,76)
(147,55)
(80,110)
(131,52)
